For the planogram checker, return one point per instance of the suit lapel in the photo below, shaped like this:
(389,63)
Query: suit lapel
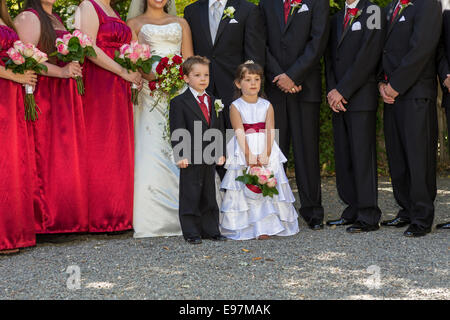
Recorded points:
(212,112)
(191,101)
(226,21)
(399,15)
(204,20)
(360,6)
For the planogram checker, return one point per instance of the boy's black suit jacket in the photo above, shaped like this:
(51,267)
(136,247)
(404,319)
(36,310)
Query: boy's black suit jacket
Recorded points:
(184,113)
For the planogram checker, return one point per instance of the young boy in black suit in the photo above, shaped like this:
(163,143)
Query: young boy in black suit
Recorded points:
(192,115)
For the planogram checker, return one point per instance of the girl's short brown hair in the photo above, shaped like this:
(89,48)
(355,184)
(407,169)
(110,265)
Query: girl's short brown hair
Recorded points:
(251,68)
(191,61)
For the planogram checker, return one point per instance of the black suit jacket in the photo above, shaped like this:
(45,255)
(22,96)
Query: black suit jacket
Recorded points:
(410,48)
(235,42)
(184,113)
(295,48)
(443,57)
(352,59)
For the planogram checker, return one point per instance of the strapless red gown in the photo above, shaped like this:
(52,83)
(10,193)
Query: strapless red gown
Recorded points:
(59,136)
(110,134)
(16,195)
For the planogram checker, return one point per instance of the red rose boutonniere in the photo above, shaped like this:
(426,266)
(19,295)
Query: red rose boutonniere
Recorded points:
(295,4)
(353,14)
(404,4)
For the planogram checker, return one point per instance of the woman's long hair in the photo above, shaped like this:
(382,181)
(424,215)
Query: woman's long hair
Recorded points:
(4,14)
(166,7)
(48,34)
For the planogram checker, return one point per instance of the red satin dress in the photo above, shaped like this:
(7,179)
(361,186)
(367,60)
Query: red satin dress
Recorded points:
(59,135)
(16,184)
(110,134)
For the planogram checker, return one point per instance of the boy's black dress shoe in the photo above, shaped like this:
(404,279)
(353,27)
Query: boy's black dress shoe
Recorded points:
(316,225)
(443,225)
(358,227)
(194,240)
(396,222)
(339,222)
(415,231)
(218,238)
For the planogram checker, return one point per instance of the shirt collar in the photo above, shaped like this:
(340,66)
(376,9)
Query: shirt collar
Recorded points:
(211,2)
(352,6)
(195,93)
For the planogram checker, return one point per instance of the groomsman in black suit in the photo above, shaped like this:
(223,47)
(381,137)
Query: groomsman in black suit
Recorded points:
(443,61)
(351,60)
(228,33)
(409,90)
(297,35)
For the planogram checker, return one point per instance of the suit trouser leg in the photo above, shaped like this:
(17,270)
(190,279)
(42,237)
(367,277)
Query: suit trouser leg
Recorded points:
(362,136)
(209,209)
(416,121)
(345,182)
(397,161)
(303,120)
(191,180)
(447,112)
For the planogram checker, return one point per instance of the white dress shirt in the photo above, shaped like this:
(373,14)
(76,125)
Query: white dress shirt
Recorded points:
(196,94)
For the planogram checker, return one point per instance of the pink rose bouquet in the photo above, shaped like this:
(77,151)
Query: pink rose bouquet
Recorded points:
(74,47)
(259,180)
(23,57)
(134,57)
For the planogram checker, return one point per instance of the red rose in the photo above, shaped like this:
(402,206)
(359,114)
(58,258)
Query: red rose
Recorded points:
(353,12)
(152,85)
(296,2)
(177,59)
(404,2)
(164,62)
(180,69)
(160,67)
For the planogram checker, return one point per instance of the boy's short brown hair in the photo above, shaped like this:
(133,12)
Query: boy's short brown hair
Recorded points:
(191,61)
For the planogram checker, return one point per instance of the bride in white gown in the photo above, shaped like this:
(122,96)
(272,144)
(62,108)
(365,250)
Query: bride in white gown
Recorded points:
(156,178)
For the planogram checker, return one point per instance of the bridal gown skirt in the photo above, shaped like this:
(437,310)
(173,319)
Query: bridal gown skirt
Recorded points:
(156,179)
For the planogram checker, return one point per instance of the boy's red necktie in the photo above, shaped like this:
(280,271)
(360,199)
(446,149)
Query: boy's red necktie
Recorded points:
(204,107)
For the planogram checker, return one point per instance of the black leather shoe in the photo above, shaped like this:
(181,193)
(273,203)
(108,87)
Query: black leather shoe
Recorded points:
(443,225)
(218,238)
(396,222)
(415,231)
(316,226)
(358,228)
(339,222)
(194,240)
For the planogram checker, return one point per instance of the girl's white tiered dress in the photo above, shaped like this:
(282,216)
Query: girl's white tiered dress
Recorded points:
(244,214)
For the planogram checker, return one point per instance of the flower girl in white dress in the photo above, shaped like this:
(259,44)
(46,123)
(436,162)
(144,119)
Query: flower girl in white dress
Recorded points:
(244,213)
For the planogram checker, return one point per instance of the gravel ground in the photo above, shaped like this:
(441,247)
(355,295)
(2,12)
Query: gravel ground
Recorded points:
(327,264)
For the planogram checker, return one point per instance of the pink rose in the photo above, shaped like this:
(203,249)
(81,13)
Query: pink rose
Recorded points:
(125,49)
(29,50)
(272,182)
(39,56)
(78,34)
(255,171)
(262,179)
(19,46)
(66,38)
(16,56)
(63,49)
(134,56)
(146,54)
(86,41)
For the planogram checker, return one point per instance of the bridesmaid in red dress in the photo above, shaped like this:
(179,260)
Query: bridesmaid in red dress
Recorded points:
(109,120)
(16,195)
(59,133)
